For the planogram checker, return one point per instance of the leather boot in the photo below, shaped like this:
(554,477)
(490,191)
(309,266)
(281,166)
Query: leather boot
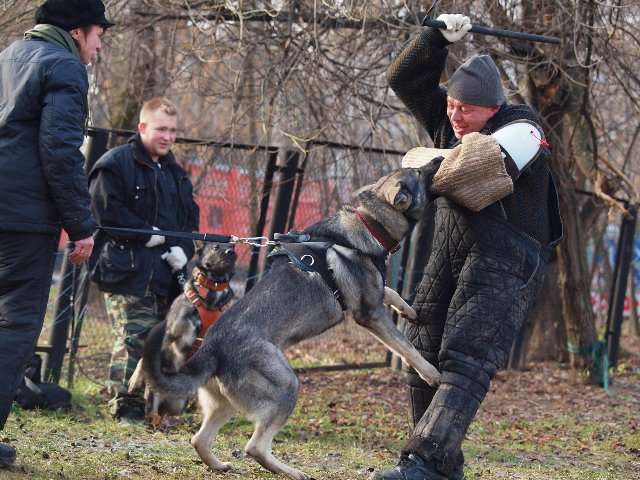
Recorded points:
(7,455)
(410,467)
(439,434)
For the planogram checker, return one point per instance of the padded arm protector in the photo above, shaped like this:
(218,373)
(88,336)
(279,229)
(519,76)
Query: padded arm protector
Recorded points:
(473,174)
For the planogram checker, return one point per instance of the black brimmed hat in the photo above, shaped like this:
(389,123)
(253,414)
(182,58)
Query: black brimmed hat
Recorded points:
(70,14)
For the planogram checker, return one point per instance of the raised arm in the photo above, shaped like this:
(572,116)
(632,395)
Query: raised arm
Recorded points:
(415,78)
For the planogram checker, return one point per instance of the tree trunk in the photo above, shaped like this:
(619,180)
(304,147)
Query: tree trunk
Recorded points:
(635,324)
(574,286)
(551,98)
(548,338)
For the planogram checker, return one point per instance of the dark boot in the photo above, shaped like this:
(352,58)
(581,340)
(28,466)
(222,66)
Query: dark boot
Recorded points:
(129,410)
(7,455)
(438,436)
(410,467)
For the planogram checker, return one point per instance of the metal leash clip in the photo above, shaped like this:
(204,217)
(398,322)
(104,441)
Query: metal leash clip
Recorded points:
(259,242)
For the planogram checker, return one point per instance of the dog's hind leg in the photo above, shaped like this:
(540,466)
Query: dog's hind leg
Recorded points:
(259,447)
(216,410)
(273,395)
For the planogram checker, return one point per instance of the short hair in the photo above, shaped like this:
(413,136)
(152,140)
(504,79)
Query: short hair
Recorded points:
(158,103)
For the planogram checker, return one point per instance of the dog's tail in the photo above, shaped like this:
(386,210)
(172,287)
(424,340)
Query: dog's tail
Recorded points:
(179,384)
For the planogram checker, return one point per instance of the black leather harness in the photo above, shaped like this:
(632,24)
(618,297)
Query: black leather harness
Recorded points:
(311,256)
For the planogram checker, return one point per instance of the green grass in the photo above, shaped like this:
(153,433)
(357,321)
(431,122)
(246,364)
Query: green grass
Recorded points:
(345,425)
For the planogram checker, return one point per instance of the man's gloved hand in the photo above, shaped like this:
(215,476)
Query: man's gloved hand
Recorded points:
(457,26)
(176,258)
(155,240)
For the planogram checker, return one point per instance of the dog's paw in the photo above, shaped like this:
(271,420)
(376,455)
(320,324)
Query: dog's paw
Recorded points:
(221,467)
(406,312)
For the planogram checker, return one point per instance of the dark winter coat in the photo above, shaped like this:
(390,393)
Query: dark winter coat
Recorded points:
(483,268)
(43,108)
(124,191)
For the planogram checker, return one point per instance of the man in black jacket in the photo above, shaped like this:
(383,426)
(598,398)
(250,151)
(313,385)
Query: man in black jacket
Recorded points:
(140,185)
(486,258)
(43,108)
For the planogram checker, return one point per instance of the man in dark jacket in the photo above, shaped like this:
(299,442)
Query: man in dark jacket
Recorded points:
(486,259)
(140,185)
(43,108)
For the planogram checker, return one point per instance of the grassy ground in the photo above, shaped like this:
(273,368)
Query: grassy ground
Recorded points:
(533,425)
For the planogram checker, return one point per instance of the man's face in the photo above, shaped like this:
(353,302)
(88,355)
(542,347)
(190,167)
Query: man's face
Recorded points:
(158,133)
(466,118)
(89,42)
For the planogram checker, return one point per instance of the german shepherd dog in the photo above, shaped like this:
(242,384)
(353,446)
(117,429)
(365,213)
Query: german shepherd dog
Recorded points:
(241,366)
(208,290)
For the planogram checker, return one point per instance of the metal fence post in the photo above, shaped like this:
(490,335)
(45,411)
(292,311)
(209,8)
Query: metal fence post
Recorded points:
(283,188)
(284,193)
(298,188)
(624,258)
(64,308)
(81,293)
(272,161)
(52,364)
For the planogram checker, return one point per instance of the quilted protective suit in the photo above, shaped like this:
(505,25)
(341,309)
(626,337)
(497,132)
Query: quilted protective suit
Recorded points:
(483,271)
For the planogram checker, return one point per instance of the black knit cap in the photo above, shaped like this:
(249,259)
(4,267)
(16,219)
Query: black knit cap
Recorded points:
(70,14)
(477,82)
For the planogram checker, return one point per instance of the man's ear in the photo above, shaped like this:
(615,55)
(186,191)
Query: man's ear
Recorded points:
(75,34)
(142,127)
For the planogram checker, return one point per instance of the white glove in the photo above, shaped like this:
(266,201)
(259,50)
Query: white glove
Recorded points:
(457,26)
(176,258)
(155,240)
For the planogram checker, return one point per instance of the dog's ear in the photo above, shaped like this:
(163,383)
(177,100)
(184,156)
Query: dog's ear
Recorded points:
(199,245)
(398,195)
(361,190)
(403,200)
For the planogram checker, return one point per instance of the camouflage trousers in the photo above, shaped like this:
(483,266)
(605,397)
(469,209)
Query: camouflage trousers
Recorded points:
(131,318)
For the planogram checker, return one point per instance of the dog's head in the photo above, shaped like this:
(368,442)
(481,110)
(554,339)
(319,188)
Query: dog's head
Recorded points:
(218,260)
(405,190)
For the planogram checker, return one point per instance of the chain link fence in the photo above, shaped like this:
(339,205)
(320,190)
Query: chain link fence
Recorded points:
(236,192)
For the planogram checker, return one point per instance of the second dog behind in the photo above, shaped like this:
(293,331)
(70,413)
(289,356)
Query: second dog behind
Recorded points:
(204,296)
